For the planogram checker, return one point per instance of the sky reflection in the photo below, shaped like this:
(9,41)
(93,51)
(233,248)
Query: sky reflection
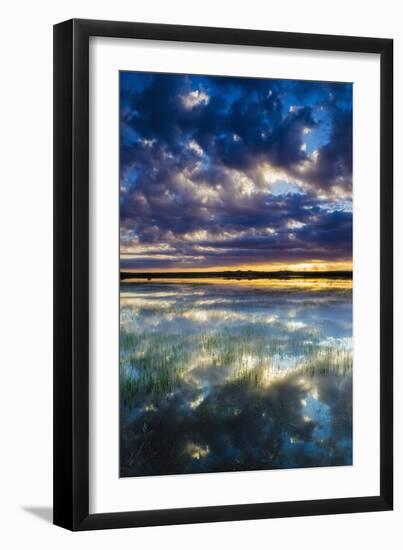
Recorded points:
(234,377)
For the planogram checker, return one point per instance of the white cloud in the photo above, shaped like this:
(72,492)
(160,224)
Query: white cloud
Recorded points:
(148,142)
(295,224)
(194,146)
(194,98)
(314,156)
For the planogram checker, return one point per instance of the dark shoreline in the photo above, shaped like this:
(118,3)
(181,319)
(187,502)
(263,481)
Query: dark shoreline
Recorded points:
(238,275)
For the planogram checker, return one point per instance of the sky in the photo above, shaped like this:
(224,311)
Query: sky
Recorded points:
(234,173)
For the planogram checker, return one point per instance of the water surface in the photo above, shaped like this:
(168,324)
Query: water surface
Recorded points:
(224,375)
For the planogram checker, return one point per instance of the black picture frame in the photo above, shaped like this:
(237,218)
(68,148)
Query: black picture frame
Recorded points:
(71,274)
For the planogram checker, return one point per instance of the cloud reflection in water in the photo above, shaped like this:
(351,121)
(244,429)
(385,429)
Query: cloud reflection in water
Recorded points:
(234,377)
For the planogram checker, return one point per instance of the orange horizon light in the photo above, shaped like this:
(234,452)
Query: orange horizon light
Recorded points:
(312,265)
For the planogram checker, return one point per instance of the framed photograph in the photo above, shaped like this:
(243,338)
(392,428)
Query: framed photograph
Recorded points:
(223,322)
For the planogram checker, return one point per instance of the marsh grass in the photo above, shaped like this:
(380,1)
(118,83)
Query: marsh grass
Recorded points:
(151,364)
(156,364)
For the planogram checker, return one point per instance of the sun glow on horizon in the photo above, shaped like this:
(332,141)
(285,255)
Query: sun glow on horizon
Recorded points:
(312,265)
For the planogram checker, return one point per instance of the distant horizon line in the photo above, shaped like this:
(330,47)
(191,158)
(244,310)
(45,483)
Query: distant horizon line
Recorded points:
(237,273)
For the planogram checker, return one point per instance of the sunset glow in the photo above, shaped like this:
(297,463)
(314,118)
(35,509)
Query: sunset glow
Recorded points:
(301,266)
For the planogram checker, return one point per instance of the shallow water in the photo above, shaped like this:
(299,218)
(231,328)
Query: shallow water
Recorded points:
(224,375)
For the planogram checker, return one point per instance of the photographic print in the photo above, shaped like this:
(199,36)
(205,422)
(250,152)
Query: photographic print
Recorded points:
(235,274)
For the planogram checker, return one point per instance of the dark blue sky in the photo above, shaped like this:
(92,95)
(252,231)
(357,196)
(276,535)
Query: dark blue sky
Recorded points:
(234,172)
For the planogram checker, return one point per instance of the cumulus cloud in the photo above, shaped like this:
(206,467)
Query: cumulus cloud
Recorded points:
(233,171)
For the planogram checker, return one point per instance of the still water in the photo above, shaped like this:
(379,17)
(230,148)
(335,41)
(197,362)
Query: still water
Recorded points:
(220,375)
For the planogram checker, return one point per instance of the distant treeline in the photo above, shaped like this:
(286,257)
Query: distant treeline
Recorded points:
(127,276)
